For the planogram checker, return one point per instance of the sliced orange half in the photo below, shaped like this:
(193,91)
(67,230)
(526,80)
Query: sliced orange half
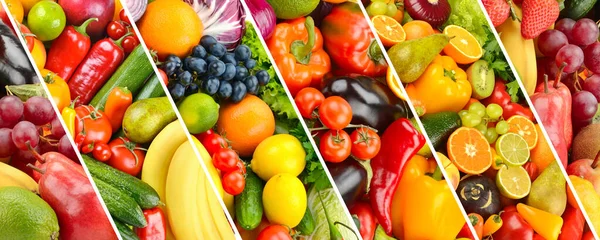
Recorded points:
(524,127)
(469,151)
(394,85)
(389,30)
(464,47)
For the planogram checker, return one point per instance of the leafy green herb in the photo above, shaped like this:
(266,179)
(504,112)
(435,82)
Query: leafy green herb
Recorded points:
(492,53)
(313,172)
(513,89)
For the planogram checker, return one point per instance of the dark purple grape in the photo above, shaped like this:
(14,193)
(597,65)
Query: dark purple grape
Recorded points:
(592,57)
(211,85)
(263,77)
(57,128)
(239,91)
(198,65)
(7,147)
(225,90)
(584,32)
(199,51)
(217,50)
(11,110)
(38,110)
(65,147)
(185,78)
(584,105)
(565,25)
(207,40)
(251,83)
(550,41)
(242,53)
(572,55)
(230,72)
(24,134)
(592,84)
(175,59)
(191,89)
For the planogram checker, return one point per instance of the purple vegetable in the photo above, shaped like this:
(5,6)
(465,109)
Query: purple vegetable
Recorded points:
(136,8)
(322,10)
(264,16)
(222,19)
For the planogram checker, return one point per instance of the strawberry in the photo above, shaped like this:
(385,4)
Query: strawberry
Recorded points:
(498,10)
(538,15)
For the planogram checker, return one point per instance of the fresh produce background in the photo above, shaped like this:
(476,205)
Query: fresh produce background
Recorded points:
(43,187)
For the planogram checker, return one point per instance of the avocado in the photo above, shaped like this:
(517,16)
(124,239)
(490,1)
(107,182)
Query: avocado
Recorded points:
(577,9)
(439,127)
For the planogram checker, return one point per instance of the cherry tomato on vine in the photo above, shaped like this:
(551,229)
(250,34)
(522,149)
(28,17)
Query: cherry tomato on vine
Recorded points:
(275,232)
(93,124)
(127,156)
(124,17)
(241,166)
(335,113)
(116,30)
(27,35)
(87,148)
(365,143)
(226,160)
(234,182)
(129,43)
(202,136)
(307,100)
(213,142)
(335,146)
(101,152)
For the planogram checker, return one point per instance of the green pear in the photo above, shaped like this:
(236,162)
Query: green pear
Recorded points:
(548,191)
(144,119)
(411,58)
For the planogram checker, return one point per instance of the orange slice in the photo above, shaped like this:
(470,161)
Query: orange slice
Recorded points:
(524,127)
(417,29)
(394,85)
(469,151)
(463,47)
(389,30)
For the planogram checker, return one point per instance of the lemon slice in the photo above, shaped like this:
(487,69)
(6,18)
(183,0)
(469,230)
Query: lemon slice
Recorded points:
(513,182)
(513,149)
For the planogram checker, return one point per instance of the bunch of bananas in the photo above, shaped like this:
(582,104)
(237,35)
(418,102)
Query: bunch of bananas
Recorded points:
(10,176)
(171,168)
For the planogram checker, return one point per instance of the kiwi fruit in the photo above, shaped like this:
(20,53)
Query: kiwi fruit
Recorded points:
(587,142)
(481,76)
(596,118)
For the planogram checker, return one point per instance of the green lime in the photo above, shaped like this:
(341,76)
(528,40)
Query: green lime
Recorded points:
(46,20)
(24,215)
(513,149)
(200,112)
(513,182)
(291,9)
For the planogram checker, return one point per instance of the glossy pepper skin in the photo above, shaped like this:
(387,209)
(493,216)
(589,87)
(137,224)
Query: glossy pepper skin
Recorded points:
(297,48)
(415,167)
(351,43)
(68,115)
(97,67)
(501,97)
(573,226)
(543,223)
(443,86)
(117,103)
(551,109)
(68,50)
(513,226)
(58,88)
(562,90)
(157,225)
(15,68)
(367,219)
(399,143)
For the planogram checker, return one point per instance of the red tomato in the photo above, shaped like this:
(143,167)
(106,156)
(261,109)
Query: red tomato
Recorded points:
(275,232)
(226,160)
(202,136)
(116,30)
(27,35)
(365,143)
(102,152)
(163,76)
(214,142)
(307,100)
(127,156)
(335,146)
(129,43)
(123,16)
(93,124)
(241,166)
(234,182)
(335,113)
(4,18)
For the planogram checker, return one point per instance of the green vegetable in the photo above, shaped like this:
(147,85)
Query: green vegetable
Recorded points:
(467,14)
(335,210)
(380,234)
(307,224)
(125,231)
(248,204)
(151,89)
(492,53)
(120,205)
(439,127)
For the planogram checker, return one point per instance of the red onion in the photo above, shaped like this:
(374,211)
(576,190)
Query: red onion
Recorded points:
(435,12)
(264,16)
(136,8)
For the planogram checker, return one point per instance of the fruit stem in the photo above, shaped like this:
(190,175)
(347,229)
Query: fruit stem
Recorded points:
(559,74)
(546,90)
(576,83)
(375,53)
(35,154)
(513,14)
(120,41)
(596,160)
(303,51)
(49,78)
(42,171)
(82,29)
(437,174)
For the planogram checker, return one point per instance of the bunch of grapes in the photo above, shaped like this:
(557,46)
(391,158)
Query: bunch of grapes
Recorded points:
(382,7)
(210,68)
(481,117)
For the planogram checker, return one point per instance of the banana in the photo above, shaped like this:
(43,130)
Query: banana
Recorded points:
(214,173)
(10,176)
(209,230)
(218,215)
(159,155)
(520,51)
(182,193)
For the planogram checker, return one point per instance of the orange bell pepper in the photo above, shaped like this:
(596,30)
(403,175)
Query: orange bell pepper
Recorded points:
(61,95)
(297,48)
(544,223)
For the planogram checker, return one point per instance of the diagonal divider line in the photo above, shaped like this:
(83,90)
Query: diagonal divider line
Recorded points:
(187,133)
(250,18)
(418,120)
(519,80)
(58,115)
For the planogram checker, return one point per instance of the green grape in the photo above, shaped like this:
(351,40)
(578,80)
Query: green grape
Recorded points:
(494,111)
(462,112)
(470,120)
(391,10)
(477,108)
(491,135)
(502,127)
(482,128)
(377,8)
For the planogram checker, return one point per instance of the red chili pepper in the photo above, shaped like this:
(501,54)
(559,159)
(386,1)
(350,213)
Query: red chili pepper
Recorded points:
(465,232)
(574,222)
(399,143)
(156,228)
(367,220)
(501,97)
(68,50)
(588,236)
(117,103)
(513,226)
(87,148)
(97,67)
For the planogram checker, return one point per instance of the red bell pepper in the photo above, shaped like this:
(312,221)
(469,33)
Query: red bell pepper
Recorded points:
(399,143)
(501,97)
(574,222)
(350,42)
(565,93)
(367,219)
(97,67)
(156,228)
(68,50)
(117,103)
(465,232)
(588,236)
(551,109)
(513,226)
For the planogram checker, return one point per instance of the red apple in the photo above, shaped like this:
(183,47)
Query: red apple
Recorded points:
(77,11)
(588,169)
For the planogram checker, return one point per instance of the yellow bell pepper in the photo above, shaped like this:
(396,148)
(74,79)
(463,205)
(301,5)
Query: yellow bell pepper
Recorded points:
(546,224)
(423,206)
(443,86)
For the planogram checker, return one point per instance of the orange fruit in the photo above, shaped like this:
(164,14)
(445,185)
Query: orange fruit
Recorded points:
(469,151)
(39,54)
(389,30)
(394,84)
(28,4)
(541,154)
(170,27)
(118,8)
(417,29)
(524,127)
(246,124)
(16,9)
(463,47)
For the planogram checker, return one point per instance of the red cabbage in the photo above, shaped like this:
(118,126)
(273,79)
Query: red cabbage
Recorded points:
(264,16)
(222,19)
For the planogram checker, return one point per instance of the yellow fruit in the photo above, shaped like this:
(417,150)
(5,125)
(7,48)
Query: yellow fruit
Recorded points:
(16,9)
(281,153)
(284,200)
(28,4)
(170,27)
(463,47)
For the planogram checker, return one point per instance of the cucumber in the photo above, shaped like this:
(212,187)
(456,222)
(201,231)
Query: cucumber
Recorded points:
(151,89)
(125,231)
(120,205)
(307,224)
(141,192)
(248,204)
(577,9)
(132,74)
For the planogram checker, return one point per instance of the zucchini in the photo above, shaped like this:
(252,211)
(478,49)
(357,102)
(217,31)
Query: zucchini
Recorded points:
(248,204)
(125,231)
(141,192)
(131,74)
(151,89)
(120,205)
(307,225)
